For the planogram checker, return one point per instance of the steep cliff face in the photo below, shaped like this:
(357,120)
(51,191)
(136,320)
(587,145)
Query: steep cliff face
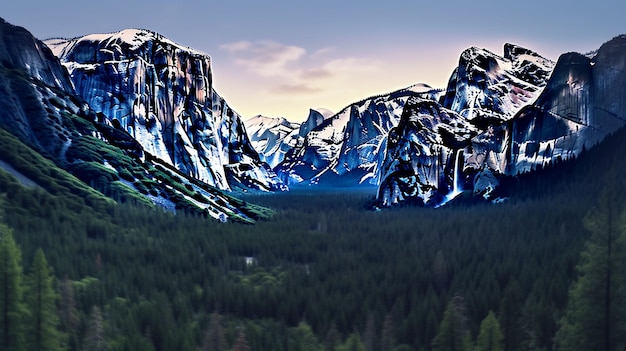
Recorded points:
(39,106)
(32,86)
(525,114)
(492,87)
(347,149)
(161,93)
(271,137)
(424,155)
(581,104)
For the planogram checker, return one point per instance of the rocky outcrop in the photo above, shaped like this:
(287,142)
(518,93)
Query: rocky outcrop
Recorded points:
(347,149)
(486,86)
(161,93)
(424,154)
(271,137)
(525,115)
(39,106)
(582,103)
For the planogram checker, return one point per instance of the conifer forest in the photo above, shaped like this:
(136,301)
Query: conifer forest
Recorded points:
(542,270)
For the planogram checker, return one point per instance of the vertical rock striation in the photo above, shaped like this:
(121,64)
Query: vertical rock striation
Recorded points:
(161,93)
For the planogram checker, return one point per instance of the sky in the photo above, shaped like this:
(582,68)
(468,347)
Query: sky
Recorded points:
(279,58)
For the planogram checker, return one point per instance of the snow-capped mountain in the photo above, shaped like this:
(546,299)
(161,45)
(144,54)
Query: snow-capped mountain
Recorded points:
(488,86)
(581,102)
(161,93)
(348,148)
(40,108)
(422,156)
(272,137)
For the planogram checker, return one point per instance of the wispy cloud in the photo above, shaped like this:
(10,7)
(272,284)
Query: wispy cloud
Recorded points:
(316,73)
(266,58)
(296,89)
(237,46)
(292,70)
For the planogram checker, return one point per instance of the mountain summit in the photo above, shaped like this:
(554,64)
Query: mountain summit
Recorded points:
(162,94)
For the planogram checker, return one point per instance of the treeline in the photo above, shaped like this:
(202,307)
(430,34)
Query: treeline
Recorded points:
(324,273)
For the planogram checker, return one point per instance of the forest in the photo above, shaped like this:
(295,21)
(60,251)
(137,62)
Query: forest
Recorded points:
(543,269)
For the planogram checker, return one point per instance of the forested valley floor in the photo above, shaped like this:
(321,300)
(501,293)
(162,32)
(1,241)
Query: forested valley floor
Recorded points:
(325,272)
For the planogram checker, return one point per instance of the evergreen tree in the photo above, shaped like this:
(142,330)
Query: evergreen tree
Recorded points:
(333,338)
(452,334)
(214,339)
(304,338)
(95,339)
(70,320)
(12,311)
(490,336)
(595,316)
(387,336)
(353,343)
(510,316)
(370,339)
(41,299)
(241,344)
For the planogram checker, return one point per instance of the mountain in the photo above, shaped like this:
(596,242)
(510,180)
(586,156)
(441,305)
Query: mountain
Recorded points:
(161,93)
(346,149)
(54,140)
(581,102)
(421,161)
(487,86)
(272,137)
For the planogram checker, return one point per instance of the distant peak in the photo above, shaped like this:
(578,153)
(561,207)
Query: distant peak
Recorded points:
(324,112)
(513,51)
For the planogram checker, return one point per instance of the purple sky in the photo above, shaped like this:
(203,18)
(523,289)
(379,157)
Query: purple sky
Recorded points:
(280,58)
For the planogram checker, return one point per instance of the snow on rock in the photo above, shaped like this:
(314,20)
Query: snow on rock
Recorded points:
(271,137)
(161,93)
(488,86)
(348,148)
(423,155)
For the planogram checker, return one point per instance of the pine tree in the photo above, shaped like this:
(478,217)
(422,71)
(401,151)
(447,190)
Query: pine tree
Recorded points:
(387,335)
(353,343)
(70,320)
(214,339)
(12,311)
(333,338)
(95,339)
(490,336)
(511,315)
(452,334)
(241,344)
(41,299)
(370,339)
(595,316)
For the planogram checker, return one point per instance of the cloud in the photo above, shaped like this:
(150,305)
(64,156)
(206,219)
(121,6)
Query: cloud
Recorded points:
(296,89)
(237,46)
(265,58)
(351,64)
(316,73)
(290,70)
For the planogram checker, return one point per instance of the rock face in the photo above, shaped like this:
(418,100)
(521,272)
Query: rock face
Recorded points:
(271,137)
(30,79)
(492,87)
(347,149)
(424,153)
(161,93)
(39,106)
(582,101)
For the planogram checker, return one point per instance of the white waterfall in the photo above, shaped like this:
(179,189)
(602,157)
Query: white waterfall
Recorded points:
(456,186)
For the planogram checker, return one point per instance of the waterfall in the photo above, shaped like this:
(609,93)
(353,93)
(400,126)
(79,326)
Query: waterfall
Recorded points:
(456,187)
